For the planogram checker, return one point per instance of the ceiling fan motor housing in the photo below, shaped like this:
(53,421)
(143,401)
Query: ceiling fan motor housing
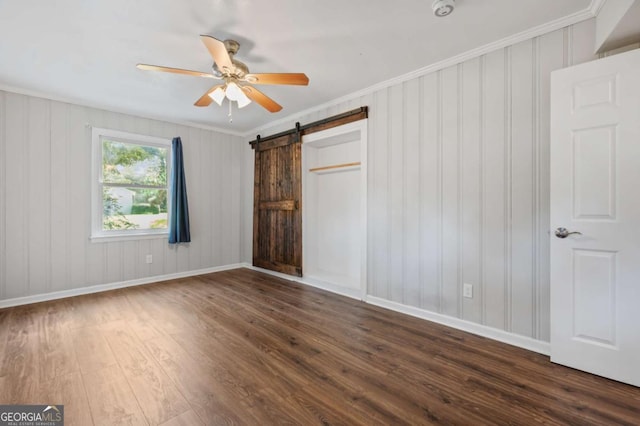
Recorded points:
(232,46)
(442,8)
(240,69)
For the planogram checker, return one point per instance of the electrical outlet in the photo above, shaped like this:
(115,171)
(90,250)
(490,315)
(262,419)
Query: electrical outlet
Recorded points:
(467,291)
(149,258)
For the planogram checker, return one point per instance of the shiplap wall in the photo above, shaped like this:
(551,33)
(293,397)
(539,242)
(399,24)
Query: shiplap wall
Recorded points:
(45,200)
(459,184)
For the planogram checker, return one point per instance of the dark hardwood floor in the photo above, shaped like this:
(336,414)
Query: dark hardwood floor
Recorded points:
(244,348)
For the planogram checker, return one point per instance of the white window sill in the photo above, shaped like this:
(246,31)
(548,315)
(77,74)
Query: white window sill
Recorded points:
(128,237)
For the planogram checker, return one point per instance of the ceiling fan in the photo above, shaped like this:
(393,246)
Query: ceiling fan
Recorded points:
(237,80)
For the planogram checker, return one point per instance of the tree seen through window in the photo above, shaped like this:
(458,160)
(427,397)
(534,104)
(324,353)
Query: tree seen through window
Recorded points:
(134,186)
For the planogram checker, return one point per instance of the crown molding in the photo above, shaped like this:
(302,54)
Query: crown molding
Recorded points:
(596,6)
(537,31)
(591,11)
(44,95)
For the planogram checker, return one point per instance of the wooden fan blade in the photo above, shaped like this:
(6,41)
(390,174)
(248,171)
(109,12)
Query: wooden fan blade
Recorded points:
(218,52)
(262,99)
(206,100)
(147,67)
(298,79)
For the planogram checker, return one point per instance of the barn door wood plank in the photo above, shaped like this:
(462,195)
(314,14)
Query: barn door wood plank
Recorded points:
(277,221)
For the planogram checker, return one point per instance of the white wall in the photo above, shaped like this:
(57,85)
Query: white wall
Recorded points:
(45,200)
(458,186)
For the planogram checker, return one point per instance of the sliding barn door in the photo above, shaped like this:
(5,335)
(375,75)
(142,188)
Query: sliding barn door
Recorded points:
(277,214)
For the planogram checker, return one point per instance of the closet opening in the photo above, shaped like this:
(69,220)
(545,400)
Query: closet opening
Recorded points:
(334,192)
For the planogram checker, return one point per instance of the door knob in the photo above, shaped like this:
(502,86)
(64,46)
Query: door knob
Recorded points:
(564,233)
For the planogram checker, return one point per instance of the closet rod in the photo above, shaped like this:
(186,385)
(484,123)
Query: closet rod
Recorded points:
(336,166)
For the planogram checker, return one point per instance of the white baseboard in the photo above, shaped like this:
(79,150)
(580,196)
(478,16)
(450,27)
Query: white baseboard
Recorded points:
(323,285)
(111,286)
(468,326)
(471,327)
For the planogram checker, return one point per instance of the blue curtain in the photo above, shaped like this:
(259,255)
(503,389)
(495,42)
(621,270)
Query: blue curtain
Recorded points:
(178,207)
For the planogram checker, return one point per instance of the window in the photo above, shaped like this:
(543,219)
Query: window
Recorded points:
(130,185)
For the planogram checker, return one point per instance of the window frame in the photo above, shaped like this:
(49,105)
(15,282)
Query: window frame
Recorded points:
(97,233)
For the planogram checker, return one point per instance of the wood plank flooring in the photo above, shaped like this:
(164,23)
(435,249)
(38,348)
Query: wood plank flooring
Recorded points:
(244,348)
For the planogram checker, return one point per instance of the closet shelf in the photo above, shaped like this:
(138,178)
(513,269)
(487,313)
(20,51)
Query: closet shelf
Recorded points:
(335,166)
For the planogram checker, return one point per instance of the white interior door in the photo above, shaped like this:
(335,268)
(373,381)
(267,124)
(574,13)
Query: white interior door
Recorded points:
(595,190)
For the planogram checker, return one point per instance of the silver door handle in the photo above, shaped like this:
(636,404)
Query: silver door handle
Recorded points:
(564,233)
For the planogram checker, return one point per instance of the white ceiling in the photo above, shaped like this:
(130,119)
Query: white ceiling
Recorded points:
(85,51)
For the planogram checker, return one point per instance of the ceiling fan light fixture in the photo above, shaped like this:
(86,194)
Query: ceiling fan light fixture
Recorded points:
(243,100)
(233,91)
(218,95)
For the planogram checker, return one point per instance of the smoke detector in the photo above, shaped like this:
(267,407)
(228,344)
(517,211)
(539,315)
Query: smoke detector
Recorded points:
(443,8)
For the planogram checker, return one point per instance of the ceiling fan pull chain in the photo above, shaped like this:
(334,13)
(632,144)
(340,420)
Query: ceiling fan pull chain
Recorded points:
(230,112)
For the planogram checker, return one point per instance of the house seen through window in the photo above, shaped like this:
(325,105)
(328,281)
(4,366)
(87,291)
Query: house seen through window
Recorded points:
(131,184)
